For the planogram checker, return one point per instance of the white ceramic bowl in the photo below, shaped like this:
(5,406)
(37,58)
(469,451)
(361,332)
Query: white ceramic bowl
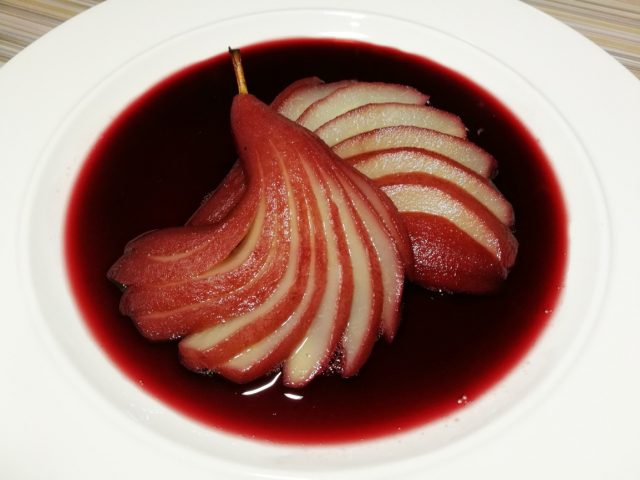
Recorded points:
(137,428)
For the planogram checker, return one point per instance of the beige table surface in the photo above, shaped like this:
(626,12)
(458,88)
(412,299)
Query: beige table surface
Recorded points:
(612,24)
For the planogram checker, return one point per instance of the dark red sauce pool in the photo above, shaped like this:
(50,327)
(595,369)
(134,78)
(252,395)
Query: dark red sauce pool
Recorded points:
(157,160)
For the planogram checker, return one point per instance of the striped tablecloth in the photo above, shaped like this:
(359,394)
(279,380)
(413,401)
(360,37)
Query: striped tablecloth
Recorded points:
(612,24)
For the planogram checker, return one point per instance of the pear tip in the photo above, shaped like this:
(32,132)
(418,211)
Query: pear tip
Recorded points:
(236,60)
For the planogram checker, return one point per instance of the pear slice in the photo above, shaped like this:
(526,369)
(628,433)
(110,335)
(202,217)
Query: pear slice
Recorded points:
(462,151)
(458,244)
(381,163)
(291,94)
(296,98)
(449,260)
(356,95)
(378,115)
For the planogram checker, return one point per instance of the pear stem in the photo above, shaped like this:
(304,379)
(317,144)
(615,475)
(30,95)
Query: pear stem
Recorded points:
(237,69)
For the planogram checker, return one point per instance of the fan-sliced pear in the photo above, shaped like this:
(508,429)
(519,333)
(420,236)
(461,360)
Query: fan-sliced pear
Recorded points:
(265,270)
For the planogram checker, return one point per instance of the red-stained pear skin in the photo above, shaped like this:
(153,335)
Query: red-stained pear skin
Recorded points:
(263,274)
(181,253)
(221,201)
(438,245)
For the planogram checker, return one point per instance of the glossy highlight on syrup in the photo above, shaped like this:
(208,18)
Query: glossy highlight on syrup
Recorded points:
(172,146)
